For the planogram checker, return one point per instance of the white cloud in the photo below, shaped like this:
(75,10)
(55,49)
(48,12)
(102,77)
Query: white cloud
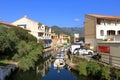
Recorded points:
(76,19)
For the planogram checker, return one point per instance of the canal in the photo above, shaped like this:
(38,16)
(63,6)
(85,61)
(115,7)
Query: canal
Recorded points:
(46,71)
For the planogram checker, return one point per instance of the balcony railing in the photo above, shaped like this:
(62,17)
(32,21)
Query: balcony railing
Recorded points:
(112,38)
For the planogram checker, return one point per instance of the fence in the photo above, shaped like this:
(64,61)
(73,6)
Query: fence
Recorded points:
(111,60)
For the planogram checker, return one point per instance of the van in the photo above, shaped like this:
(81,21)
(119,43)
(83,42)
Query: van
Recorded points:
(73,47)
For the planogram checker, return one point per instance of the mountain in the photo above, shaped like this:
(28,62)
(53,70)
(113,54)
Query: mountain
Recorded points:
(57,29)
(73,30)
(68,30)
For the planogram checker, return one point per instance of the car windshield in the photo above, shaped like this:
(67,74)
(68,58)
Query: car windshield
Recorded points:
(77,49)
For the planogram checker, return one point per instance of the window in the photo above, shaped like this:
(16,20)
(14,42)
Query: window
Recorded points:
(98,21)
(110,32)
(40,34)
(22,25)
(118,32)
(101,32)
(40,27)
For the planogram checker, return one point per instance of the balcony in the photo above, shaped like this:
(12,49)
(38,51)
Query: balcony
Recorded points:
(115,38)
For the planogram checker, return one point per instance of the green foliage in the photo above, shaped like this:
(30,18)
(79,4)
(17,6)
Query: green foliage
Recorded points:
(82,68)
(10,37)
(3,36)
(8,40)
(71,39)
(93,68)
(105,72)
(23,46)
(23,34)
(117,74)
(27,55)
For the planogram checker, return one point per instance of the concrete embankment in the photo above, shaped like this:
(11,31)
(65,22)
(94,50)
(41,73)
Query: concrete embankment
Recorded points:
(6,71)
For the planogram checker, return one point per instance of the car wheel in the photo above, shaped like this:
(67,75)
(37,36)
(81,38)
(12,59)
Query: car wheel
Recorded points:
(90,53)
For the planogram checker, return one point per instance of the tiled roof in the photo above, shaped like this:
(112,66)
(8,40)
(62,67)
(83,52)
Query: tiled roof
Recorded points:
(104,16)
(8,24)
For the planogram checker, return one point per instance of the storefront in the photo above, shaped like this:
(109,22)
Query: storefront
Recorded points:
(110,52)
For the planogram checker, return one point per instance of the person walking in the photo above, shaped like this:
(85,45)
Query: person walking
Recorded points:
(69,54)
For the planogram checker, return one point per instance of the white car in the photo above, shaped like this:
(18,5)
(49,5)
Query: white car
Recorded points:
(83,51)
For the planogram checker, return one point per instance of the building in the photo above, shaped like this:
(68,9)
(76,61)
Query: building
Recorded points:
(40,31)
(55,38)
(76,38)
(63,39)
(101,27)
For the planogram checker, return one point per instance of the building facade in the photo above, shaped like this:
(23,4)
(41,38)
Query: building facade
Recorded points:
(100,27)
(76,38)
(63,39)
(40,31)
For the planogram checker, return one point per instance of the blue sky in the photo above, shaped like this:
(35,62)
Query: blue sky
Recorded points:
(63,13)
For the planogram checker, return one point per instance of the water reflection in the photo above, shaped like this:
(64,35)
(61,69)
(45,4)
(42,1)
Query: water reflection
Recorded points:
(44,68)
(59,74)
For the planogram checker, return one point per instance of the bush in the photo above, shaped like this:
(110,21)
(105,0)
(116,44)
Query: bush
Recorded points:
(93,69)
(105,72)
(117,74)
(82,68)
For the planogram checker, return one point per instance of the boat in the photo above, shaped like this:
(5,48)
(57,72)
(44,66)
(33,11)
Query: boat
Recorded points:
(59,63)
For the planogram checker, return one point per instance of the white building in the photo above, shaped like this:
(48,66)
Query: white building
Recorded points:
(76,38)
(100,27)
(40,31)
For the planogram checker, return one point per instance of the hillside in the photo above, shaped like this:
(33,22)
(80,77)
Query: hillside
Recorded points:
(68,30)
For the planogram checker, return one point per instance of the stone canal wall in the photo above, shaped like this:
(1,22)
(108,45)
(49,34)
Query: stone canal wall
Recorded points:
(6,71)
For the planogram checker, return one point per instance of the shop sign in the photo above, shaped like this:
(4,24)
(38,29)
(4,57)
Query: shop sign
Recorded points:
(104,49)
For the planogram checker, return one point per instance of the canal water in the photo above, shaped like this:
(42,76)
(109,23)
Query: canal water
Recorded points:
(48,73)
(59,74)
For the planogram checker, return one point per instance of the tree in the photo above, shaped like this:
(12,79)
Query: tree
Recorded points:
(27,55)
(72,39)
(23,34)
(3,42)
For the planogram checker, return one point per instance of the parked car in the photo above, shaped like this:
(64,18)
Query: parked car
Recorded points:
(76,51)
(83,51)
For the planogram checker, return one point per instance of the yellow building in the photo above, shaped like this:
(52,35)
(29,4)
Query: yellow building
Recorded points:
(63,38)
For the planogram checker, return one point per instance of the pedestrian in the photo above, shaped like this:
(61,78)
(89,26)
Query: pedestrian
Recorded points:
(69,54)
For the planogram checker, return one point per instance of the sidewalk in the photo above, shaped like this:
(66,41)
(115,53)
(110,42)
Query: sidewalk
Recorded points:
(69,62)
